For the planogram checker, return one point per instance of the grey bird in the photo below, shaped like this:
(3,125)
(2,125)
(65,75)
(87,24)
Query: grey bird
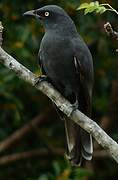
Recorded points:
(67,62)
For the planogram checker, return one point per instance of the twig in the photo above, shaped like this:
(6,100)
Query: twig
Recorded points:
(78,117)
(24,155)
(110,7)
(109,30)
(42,153)
(18,134)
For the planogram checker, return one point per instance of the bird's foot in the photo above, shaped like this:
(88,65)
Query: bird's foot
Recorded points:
(75,105)
(40,79)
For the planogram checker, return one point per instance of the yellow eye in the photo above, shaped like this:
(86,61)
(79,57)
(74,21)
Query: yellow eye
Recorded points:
(47,13)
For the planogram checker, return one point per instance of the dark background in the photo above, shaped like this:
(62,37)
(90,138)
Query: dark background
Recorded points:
(20,103)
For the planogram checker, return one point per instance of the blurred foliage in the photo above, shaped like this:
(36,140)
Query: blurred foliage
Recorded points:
(20,102)
(92,7)
(96,7)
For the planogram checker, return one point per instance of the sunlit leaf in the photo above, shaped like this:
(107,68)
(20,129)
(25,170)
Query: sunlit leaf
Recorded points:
(95,7)
(83,6)
(89,9)
(101,10)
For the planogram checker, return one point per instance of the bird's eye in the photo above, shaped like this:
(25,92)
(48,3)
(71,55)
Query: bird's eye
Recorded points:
(47,13)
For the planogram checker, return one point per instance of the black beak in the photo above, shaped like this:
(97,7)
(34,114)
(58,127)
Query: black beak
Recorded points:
(30,13)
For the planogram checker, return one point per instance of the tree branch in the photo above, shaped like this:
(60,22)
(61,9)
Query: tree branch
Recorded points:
(42,152)
(28,154)
(78,117)
(18,134)
(110,32)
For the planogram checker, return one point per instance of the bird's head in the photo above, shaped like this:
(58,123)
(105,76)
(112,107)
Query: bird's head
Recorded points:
(51,16)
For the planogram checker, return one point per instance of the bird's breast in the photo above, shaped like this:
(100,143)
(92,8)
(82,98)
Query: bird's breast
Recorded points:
(56,52)
(57,60)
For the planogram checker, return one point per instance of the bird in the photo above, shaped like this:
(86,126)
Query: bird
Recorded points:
(66,62)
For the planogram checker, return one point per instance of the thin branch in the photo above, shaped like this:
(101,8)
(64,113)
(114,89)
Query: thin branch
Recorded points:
(110,7)
(18,134)
(110,32)
(42,153)
(78,117)
(27,154)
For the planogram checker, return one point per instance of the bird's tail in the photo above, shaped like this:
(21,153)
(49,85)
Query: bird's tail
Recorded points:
(79,143)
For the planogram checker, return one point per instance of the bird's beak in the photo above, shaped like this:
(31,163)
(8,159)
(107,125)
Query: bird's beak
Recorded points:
(30,13)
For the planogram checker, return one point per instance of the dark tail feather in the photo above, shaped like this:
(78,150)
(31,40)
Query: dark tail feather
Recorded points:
(87,145)
(79,143)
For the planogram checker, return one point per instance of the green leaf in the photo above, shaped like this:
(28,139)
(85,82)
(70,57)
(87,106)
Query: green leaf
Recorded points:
(88,5)
(83,6)
(56,167)
(43,177)
(89,9)
(92,4)
(96,3)
(92,7)
(101,10)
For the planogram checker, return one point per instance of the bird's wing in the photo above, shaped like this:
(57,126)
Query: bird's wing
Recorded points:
(84,68)
(40,63)
(84,94)
(79,142)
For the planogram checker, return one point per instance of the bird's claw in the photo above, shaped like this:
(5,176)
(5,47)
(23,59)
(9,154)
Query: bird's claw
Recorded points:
(40,79)
(75,105)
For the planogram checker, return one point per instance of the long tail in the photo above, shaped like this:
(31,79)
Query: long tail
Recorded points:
(79,143)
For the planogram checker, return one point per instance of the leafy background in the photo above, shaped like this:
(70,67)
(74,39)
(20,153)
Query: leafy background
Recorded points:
(20,102)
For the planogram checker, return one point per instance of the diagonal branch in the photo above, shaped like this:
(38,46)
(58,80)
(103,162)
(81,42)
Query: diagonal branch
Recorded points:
(78,117)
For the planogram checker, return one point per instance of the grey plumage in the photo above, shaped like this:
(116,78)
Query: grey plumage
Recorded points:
(67,62)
